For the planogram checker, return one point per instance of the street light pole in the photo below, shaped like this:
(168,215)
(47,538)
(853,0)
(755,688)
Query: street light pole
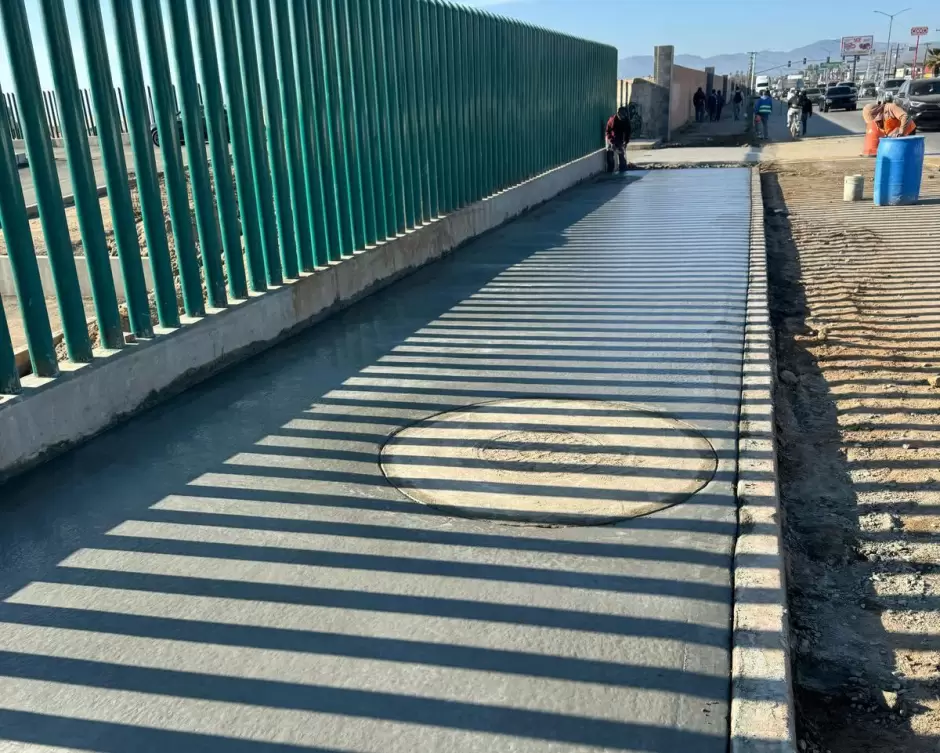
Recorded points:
(890,27)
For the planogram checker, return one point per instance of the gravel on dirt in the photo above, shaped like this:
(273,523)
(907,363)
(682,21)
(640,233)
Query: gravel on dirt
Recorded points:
(855,304)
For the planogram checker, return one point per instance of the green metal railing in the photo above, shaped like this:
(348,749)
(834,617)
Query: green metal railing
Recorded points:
(332,126)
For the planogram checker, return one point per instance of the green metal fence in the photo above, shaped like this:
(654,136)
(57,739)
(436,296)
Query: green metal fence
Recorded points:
(332,126)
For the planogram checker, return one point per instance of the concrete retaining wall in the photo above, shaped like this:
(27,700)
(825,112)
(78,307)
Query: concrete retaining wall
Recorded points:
(53,414)
(649,100)
(8,287)
(684,83)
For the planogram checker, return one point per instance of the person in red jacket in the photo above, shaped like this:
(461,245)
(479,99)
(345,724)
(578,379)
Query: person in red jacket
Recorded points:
(618,136)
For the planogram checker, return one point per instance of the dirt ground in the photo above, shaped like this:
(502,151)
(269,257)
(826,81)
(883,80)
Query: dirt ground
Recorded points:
(855,302)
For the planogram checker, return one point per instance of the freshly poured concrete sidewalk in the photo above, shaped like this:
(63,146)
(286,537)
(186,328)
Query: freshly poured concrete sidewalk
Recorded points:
(232,571)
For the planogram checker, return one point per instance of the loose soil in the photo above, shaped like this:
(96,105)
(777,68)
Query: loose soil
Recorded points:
(855,303)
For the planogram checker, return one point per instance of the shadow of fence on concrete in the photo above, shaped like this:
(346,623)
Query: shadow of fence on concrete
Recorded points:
(232,571)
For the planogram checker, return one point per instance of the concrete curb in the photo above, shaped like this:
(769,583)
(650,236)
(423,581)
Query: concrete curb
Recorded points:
(8,283)
(52,415)
(762,714)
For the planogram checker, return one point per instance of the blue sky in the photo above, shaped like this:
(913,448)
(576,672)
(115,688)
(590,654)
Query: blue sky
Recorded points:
(696,27)
(714,27)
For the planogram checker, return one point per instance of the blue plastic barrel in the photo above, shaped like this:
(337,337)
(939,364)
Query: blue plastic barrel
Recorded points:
(898,169)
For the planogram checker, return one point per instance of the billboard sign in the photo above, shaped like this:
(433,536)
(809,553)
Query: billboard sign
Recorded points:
(919,31)
(852,46)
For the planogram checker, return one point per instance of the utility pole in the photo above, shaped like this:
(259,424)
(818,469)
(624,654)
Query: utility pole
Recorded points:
(890,28)
(751,70)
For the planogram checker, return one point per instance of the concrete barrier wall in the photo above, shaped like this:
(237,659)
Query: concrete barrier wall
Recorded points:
(648,99)
(52,415)
(685,81)
(8,286)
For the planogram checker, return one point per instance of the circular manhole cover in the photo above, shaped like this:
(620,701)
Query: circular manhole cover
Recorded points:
(574,462)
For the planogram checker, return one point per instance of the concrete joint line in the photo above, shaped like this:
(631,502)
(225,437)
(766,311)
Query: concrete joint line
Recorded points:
(52,415)
(762,714)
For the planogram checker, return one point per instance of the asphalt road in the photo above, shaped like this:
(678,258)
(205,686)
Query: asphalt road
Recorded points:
(838,123)
(65,177)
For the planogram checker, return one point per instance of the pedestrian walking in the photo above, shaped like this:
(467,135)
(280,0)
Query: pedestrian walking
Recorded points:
(719,103)
(698,101)
(763,108)
(710,104)
(806,104)
(737,103)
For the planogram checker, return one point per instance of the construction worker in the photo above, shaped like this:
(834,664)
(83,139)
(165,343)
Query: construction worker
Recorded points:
(884,120)
(618,136)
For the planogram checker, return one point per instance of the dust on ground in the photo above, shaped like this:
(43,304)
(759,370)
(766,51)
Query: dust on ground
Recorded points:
(855,303)
(71,216)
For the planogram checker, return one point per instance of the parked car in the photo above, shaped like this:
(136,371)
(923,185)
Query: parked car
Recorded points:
(889,88)
(921,100)
(840,98)
(155,137)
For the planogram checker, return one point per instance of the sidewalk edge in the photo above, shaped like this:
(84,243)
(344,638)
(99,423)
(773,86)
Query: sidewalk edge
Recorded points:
(762,714)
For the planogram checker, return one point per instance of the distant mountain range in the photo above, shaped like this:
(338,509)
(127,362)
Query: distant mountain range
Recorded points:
(642,65)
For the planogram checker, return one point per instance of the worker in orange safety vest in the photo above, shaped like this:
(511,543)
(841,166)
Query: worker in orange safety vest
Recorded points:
(884,120)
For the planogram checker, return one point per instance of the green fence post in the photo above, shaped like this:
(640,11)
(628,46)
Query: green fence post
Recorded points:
(525,101)
(115,169)
(145,167)
(486,101)
(398,213)
(438,77)
(174,182)
(506,133)
(218,131)
(275,130)
(375,154)
(323,76)
(483,99)
(465,92)
(468,75)
(423,111)
(210,244)
(406,101)
(261,171)
(413,171)
(518,129)
(46,179)
(338,88)
(444,158)
(480,93)
(23,262)
(248,202)
(311,177)
(432,76)
(9,377)
(384,146)
(451,111)
(290,114)
(364,104)
(350,65)
(495,109)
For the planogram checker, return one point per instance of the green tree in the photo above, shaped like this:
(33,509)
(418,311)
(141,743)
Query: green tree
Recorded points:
(932,62)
